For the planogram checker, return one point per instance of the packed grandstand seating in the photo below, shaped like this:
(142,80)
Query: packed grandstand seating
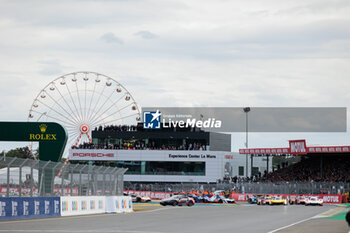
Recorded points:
(335,169)
(116,128)
(139,127)
(140,146)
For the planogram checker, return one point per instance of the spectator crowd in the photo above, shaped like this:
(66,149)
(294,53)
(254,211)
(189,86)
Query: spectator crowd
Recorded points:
(335,168)
(140,145)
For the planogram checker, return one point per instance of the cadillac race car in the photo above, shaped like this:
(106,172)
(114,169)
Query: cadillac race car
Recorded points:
(178,200)
(278,200)
(314,201)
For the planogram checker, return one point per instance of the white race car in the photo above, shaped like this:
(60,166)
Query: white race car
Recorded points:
(138,198)
(314,201)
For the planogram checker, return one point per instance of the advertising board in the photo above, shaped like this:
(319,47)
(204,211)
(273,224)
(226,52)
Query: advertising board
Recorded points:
(118,204)
(82,205)
(29,207)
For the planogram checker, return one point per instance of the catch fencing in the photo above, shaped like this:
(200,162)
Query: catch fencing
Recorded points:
(26,177)
(248,187)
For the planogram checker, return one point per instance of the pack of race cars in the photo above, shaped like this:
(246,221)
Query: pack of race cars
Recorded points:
(190,199)
(279,200)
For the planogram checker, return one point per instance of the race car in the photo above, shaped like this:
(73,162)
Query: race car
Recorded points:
(278,200)
(314,201)
(264,200)
(292,200)
(219,199)
(253,199)
(301,200)
(178,200)
(139,198)
(189,201)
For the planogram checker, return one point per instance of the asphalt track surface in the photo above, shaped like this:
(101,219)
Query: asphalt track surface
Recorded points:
(158,219)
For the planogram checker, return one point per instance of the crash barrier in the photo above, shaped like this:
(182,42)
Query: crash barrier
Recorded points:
(82,205)
(116,204)
(152,195)
(29,207)
(12,208)
(333,199)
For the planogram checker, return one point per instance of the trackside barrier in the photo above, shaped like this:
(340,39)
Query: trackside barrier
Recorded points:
(118,204)
(152,195)
(82,205)
(327,198)
(12,208)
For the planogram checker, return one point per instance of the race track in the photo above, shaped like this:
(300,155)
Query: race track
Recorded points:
(157,219)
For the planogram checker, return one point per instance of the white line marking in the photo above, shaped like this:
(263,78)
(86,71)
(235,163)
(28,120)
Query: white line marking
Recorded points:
(304,220)
(281,228)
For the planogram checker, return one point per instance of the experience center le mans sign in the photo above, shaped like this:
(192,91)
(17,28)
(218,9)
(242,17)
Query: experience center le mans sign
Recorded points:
(52,137)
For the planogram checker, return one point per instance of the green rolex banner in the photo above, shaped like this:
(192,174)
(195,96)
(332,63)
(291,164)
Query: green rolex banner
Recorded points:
(52,139)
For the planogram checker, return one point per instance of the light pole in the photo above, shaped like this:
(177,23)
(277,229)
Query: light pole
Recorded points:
(246,110)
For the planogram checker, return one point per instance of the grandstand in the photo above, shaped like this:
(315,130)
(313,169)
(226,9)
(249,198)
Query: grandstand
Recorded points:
(317,164)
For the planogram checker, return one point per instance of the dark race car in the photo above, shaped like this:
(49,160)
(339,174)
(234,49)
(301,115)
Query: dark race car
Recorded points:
(178,200)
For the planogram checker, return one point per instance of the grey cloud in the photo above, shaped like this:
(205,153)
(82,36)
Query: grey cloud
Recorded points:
(111,38)
(146,35)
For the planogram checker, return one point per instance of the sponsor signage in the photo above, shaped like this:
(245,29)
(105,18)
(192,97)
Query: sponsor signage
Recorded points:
(42,136)
(154,120)
(126,155)
(332,199)
(29,207)
(52,138)
(119,204)
(192,156)
(297,147)
(82,205)
(86,154)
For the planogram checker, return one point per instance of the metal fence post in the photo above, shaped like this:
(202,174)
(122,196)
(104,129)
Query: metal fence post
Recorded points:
(54,176)
(8,177)
(42,183)
(71,179)
(20,176)
(80,180)
(62,179)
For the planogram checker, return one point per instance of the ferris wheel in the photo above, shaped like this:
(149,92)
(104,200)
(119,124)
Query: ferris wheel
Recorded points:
(82,101)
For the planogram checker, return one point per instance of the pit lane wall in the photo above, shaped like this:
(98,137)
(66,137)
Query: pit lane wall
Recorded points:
(332,199)
(12,208)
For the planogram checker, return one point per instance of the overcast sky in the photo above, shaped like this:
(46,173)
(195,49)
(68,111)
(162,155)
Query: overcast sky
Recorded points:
(221,53)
